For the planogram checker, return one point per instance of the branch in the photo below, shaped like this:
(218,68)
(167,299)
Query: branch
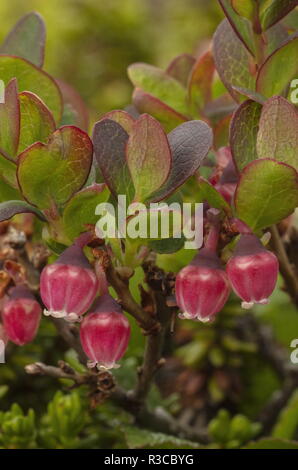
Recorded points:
(286,269)
(148,323)
(157,420)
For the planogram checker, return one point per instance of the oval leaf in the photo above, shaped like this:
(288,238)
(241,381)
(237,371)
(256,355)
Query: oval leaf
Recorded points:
(122,117)
(159,84)
(75,111)
(232,60)
(200,81)
(279,69)
(207,192)
(278,131)
(267,192)
(10,208)
(52,173)
(276,10)
(27,39)
(37,122)
(243,133)
(189,144)
(148,156)
(110,140)
(241,26)
(30,78)
(180,68)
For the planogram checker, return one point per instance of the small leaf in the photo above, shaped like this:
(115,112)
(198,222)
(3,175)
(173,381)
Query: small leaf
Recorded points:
(10,208)
(279,69)
(121,117)
(207,192)
(267,192)
(80,210)
(243,133)
(241,26)
(37,122)
(27,39)
(110,140)
(75,111)
(189,144)
(10,120)
(8,170)
(7,193)
(30,78)
(148,156)
(180,68)
(159,84)
(200,82)
(232,60)
(221,132)
(137,438)
(148,104)
(276,10)
(278,135)
(53,172)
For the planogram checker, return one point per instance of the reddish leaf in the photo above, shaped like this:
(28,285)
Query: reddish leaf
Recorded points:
(148,156)
(27,39)
(189,143)
(233,62)
(74,104)
(200,83)
(241,26)
(122,117)
(221,132)
(180,68)
(110,140)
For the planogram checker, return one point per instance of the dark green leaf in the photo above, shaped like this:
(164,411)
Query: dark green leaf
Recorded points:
(10,208)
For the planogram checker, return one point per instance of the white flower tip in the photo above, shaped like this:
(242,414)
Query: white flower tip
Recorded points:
(247,305)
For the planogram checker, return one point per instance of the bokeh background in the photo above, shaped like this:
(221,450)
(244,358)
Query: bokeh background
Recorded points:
(90,43)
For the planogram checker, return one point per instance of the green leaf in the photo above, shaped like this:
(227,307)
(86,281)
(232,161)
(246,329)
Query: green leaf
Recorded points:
(146,103)
(189,144)
(110,141)
(53,172)
(278,136)
(207,192)
(37,122)
(243,133)
(232,60)
(27,39)
(287,421)
(10,120)
(267,192)
(137,438)
(241,26)
(253,95)
(200,82)
(80,210)
(180,68)
(270,443)
(159,84)
(30,78)
(276,10)
(279,69)
(8,193)
(148,156)
(10,208)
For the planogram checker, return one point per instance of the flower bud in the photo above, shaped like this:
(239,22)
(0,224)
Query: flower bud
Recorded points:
(105,333)
(202,287)
(252,271)
(69,286)
(21,316)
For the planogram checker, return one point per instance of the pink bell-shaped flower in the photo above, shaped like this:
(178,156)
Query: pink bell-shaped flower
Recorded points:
(105,333)
(69,286)
(21,316)
(202,287)
(252,271)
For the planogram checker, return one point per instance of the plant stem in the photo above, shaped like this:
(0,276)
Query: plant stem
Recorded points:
(286,269)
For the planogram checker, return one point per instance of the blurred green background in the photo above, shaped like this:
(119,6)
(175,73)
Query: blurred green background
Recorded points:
(90,43)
